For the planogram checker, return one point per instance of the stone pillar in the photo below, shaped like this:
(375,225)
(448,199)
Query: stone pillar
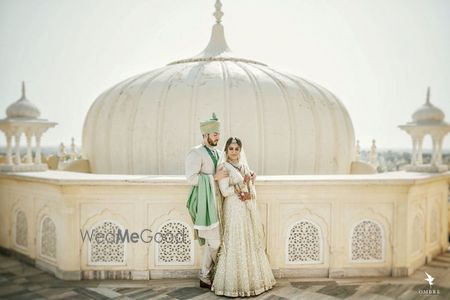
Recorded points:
(414,151)
(439,150)
(419,153)
(29,157)
(37,158)
(434,150)
(61,152)
(8,148)
(73,150)
(17,150)
(373,155)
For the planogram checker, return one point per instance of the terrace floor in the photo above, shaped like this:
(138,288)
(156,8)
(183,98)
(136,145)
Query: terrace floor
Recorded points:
(19,280)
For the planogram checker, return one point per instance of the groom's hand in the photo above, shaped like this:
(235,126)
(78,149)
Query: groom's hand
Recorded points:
(220,174)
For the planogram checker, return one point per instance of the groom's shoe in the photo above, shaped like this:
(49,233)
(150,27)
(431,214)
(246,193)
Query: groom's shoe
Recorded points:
(205,285)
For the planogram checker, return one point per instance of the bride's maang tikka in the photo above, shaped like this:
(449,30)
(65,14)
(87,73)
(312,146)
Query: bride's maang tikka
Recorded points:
(234,141)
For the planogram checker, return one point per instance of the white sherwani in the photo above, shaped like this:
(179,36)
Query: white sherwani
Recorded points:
(199,161)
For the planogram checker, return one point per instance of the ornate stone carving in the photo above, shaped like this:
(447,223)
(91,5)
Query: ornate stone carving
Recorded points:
(304,243)
(21,229)
(434,224)
(367,242)
(106,251)
(174,246)
(418,229)
(48,238)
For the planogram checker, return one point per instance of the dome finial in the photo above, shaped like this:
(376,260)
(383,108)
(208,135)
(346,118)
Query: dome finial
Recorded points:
(23,108)
(428,113)
(23,90)
(218,13)
(217,44)
(217,48)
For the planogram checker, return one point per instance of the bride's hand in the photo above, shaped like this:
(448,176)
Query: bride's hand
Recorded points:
(246,196)
(253,177)
(243,196)
(239,193)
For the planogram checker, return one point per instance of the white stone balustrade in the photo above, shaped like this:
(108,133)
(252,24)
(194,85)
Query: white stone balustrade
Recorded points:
(401,217)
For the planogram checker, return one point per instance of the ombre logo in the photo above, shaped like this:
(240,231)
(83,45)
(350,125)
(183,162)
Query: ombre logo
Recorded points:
(429,291)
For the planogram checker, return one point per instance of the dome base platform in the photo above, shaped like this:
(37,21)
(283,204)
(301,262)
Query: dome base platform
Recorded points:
(24,168)
(427,168)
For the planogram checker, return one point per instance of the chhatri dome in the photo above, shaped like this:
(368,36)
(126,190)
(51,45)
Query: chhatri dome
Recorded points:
(146,124)
(428,113)
(427,120)
(23,108)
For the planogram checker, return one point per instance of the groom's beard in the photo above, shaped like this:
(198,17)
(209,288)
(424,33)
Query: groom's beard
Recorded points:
(212,143)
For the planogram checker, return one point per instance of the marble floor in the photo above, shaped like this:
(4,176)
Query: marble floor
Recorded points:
(19,280)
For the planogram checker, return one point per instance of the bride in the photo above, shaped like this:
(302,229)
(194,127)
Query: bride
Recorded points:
(242,268)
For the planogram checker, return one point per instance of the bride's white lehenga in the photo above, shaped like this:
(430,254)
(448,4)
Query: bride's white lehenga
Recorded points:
(242,268)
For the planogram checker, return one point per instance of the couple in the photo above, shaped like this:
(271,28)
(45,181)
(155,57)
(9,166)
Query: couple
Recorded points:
(222,204)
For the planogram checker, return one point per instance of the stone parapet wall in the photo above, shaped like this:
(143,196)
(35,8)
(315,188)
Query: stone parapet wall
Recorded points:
(315,226)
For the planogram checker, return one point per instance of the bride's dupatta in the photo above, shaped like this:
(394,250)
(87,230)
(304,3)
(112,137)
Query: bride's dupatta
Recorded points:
(237,179)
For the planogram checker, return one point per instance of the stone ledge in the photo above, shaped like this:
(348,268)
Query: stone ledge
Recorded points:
(173,273)
(427,168)
(360,272)
(303,272)
(76,178)
(24,168)
(400,272)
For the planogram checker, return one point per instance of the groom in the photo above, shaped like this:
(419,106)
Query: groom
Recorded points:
(204,201)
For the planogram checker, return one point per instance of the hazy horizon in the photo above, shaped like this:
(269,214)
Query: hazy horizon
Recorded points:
(378,57)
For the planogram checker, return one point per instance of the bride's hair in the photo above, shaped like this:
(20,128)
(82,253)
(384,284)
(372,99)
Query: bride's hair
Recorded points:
(228,143)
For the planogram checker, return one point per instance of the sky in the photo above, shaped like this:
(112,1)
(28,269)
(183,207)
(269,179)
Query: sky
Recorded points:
(378,57)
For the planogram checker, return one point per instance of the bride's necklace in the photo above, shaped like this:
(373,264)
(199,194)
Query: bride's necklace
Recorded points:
(239,168)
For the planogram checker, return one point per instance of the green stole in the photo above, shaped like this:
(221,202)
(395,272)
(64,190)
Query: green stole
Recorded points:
(202,206)
(202,202)
(213,157)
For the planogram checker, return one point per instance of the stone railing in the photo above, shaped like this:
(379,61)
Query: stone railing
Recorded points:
(315,226)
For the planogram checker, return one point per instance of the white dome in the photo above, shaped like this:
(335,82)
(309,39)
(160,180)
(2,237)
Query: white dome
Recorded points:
(428,113)
(288,125)
(23,108)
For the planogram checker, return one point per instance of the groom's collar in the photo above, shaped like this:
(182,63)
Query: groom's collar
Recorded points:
(210,147)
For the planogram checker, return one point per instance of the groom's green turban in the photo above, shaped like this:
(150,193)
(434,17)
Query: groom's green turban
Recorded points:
(211,125)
